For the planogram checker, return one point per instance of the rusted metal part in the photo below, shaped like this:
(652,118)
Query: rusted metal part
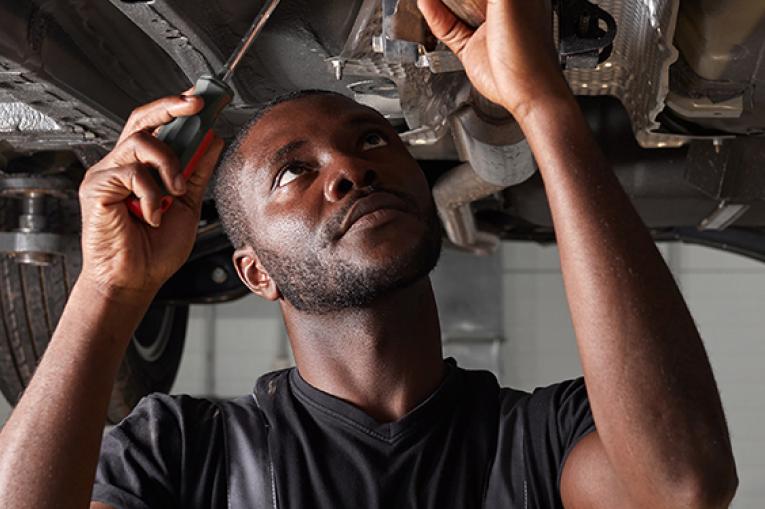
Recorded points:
(472,12)
(407,24)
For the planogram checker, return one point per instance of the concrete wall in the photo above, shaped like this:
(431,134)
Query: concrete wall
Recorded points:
(229,345)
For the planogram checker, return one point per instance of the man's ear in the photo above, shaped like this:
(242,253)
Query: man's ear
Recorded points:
(254,275)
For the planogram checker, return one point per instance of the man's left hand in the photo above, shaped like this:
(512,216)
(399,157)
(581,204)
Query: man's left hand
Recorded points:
(510,58)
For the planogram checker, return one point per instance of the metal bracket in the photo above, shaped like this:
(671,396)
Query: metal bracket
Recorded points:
(440,61)
(723,216)
(583,43)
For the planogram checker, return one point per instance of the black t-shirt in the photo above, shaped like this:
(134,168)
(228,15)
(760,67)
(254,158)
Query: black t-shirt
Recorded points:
(470,444)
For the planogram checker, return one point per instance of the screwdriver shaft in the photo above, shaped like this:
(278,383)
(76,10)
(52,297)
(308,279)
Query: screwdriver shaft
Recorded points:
(257,25)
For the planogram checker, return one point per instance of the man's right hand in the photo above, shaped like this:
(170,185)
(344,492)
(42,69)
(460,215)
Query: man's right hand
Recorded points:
(126,257)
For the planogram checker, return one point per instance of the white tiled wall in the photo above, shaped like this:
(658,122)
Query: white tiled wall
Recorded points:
(729,307)
(726,295)
(229,345)
(241,339)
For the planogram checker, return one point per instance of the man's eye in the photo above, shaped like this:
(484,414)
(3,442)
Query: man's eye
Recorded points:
(288,174)
(373,140)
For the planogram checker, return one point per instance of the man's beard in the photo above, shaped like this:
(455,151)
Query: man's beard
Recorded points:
(314,284)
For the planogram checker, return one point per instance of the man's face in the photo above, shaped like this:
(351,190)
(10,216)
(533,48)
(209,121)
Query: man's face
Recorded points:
(340,212)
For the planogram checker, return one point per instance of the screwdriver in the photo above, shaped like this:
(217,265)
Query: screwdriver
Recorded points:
(190,137)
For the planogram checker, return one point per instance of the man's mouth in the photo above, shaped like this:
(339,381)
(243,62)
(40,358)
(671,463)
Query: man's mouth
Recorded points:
(374,208)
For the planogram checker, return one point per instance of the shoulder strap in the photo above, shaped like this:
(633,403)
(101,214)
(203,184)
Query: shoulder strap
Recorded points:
(251,483)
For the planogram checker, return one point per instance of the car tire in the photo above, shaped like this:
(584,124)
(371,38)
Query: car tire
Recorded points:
(32,299)
(152,358)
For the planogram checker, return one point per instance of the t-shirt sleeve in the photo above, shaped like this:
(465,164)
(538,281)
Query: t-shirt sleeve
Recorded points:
(139,467)
(558,417)
(167,453)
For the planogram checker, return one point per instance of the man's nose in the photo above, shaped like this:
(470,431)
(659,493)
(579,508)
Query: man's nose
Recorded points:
(346,175)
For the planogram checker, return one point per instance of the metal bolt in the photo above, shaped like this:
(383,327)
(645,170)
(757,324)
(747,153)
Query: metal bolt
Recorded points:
(378,44)
(32,218)
(219,275)
(338,65)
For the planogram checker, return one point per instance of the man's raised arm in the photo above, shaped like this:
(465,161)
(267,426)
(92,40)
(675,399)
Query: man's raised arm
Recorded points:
(49,447)
(661,437)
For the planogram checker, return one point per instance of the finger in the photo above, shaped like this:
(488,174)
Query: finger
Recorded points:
(144,148)
(149,196)
(445,25)
(198,181)
(186,93)
(160,112)
(114,185)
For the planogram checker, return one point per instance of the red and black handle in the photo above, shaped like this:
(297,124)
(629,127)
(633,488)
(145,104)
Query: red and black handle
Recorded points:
(189,137)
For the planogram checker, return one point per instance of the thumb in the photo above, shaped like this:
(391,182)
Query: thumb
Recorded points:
(445,25)
(198,180)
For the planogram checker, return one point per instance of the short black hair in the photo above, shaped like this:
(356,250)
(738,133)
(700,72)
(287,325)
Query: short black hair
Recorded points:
(227,183)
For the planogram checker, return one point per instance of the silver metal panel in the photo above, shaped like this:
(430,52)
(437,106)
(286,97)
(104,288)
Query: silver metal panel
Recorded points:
(637,72)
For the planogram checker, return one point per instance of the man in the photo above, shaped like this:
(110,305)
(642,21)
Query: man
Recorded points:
(332,218)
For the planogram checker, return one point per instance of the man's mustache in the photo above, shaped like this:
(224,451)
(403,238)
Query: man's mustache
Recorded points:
(332,229)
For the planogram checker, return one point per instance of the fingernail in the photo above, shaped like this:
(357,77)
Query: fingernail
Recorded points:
(179,183)
(156,216)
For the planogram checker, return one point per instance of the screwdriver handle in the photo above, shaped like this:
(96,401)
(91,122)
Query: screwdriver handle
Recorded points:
(189,137)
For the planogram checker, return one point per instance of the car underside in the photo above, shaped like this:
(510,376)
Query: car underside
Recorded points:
(674,91)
